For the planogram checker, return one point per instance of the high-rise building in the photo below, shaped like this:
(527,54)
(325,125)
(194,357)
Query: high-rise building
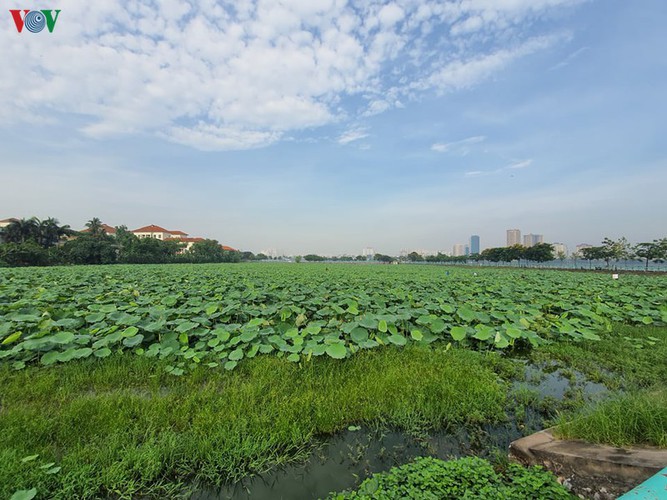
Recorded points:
(581,246)
(458,250)
(513,237)
(532,239)
(559,249)
(474,244)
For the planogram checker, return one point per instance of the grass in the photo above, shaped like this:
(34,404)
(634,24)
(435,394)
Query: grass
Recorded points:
(631,419)
(123,427)
(631,361)
(628,358)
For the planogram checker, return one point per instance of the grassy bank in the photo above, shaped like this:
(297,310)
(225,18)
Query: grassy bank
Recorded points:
(122,426)
(631,419)
(630,360)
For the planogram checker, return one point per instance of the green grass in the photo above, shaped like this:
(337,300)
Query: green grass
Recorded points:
(628,357)
(631,419)
(123,426)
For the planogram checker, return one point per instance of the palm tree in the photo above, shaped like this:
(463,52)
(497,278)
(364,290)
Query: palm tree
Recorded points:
(51,232)
(22,230)
(94,226)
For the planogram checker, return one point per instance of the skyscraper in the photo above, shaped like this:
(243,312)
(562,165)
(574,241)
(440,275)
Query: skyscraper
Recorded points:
(474,244)
(458,250)
(532,239)
(513,237)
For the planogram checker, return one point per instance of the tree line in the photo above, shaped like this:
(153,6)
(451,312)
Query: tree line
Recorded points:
(34,242)
(608,251)
(621,249)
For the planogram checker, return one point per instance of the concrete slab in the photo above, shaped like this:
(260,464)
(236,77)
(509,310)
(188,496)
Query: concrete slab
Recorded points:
(591,470)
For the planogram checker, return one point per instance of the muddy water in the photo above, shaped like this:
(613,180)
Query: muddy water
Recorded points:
(341,462)
(345,459)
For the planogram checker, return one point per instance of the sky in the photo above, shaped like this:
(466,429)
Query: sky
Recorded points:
(328,126)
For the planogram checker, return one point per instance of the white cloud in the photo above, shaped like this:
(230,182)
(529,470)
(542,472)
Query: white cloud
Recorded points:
(352,135)
(461,147)
(520,164)
(243,73)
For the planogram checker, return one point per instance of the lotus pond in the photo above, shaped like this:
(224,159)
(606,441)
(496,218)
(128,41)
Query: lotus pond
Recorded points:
(219,315)
(229,381)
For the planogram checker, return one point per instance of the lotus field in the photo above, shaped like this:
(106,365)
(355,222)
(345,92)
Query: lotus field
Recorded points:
(218,315)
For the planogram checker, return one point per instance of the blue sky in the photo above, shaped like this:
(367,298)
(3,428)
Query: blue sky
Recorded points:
(328,126)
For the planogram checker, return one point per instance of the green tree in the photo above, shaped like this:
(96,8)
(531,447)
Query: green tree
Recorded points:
(151,251)
(28,253)
(655,250)
(415,257)
(515,252)
(91,249)
(383,258)
(125,241)
(541,252)
(50,232)
(95,228)
(560,255)
(207,251)
(593,253)
(311,257)
(21,231)
(493,254)
(615,250)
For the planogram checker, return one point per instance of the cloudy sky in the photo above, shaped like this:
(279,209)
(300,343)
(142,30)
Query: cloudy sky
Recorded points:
(329,125)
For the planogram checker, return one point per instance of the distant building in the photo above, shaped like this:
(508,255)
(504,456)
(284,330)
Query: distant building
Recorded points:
(458,250)
(474,244)
(368,252)
(272,253)
(466,250)
(188,242)
(532,239)
(560,248)
(513,237)
(106,228)
(158,232)
(581,246)
(7,222)
(4,223)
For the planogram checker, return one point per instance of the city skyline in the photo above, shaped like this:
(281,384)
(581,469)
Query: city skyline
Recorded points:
(326,127)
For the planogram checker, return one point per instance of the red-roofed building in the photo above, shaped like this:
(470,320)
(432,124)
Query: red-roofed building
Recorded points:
(158,232)
(163,234)
(110,230)
(178,234)
(188,242)
(7,222)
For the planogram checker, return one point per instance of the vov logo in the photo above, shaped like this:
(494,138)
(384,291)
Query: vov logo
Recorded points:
(35,20)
